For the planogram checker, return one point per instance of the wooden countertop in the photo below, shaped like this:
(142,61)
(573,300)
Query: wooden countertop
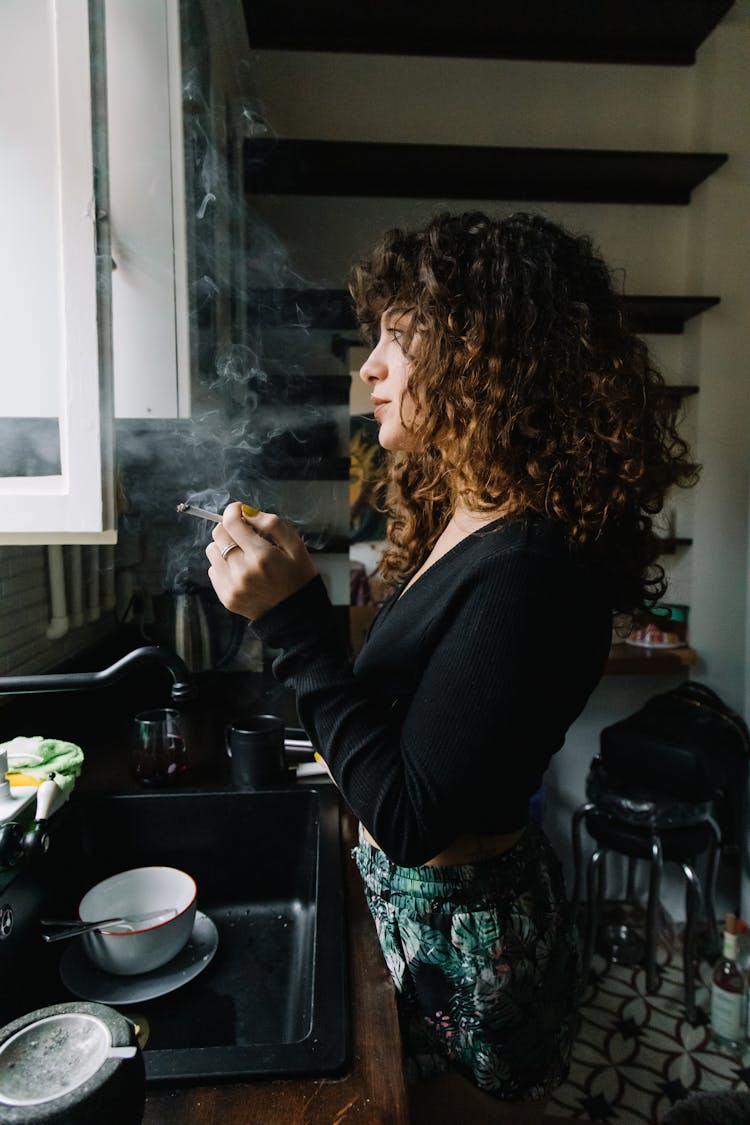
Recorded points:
(373,1093)
(632,660)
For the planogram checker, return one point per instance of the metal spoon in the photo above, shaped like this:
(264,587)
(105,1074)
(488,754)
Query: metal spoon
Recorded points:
(73,928)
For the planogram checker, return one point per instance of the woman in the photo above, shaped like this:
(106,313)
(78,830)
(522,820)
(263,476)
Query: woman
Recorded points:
(529,443)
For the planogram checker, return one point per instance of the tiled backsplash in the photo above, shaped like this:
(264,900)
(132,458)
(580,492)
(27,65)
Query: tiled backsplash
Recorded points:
(25,612)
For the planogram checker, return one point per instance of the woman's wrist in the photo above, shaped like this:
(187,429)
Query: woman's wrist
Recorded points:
(296,615)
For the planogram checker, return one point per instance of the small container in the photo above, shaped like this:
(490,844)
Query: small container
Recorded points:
(663,626)
(159,755)
(621,945)
(743,964)
(255,747)
(728,997)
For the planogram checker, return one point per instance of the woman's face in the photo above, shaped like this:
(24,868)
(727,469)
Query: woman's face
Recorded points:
(385,371)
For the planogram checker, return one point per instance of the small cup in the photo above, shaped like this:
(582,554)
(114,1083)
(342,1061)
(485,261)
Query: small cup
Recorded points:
(256,751)
(159,755)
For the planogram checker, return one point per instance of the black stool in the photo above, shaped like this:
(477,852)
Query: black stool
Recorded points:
(663,774)
(651,825)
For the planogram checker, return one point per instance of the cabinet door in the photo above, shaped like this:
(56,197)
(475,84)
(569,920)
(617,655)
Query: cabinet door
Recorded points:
(147,209)
(54,445)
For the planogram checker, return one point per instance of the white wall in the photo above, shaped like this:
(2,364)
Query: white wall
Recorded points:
(701,248)
(719,254)
(718,260)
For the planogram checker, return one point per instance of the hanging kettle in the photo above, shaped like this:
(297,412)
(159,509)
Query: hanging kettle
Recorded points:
(204,636)
(192,635)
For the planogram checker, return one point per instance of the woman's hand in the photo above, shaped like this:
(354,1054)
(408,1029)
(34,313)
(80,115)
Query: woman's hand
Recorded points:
(256,562)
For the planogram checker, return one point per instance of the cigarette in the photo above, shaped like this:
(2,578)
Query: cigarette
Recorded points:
(204,514)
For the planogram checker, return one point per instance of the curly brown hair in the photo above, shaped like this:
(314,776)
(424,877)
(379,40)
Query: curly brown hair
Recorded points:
(530,391)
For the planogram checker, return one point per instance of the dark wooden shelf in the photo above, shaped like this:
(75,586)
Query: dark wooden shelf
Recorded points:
(357,168)
(307,468)
(325,543)
(326,309)
(681,391)
(670,543)
(301,308)
(332,309)
(665,314)
(632,660)
(619,31)
(318,390)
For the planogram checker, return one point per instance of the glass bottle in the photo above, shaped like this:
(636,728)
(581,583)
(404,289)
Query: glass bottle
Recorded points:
(743,964)
(728,996)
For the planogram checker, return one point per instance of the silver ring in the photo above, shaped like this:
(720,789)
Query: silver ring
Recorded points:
(229,547)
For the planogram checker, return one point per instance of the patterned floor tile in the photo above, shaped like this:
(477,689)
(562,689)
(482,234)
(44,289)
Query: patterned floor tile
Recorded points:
(637,1054)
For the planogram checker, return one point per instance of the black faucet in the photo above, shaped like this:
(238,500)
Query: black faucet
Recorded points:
(182,687)
(16,842)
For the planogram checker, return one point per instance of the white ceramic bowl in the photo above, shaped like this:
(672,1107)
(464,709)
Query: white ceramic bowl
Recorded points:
(126,949)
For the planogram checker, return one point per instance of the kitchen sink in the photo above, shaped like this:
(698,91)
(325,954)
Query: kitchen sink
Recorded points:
(273,1000)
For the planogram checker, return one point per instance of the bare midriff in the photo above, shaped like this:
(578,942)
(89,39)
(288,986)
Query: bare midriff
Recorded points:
(466,849)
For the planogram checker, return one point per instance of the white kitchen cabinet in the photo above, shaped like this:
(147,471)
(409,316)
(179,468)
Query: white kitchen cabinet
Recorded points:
(82,343)
(50,303)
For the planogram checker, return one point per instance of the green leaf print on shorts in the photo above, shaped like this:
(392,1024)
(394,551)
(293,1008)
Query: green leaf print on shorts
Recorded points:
(424,943)
(484,959)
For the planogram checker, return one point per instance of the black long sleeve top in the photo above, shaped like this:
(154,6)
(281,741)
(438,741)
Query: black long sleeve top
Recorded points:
(463,690)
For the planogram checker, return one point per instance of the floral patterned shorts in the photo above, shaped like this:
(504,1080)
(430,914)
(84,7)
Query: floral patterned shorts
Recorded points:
(485,962)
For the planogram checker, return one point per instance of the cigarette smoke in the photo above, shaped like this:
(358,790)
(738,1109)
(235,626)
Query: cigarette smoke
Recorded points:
(248,357)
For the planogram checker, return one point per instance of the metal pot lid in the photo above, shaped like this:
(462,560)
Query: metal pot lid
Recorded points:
(53,1056)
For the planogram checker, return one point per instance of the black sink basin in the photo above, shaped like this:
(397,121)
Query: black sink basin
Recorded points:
(273,1000)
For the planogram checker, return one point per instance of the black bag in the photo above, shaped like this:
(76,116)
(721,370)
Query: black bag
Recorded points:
(687,744)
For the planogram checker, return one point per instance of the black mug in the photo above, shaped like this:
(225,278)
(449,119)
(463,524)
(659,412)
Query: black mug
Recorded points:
(255,746)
